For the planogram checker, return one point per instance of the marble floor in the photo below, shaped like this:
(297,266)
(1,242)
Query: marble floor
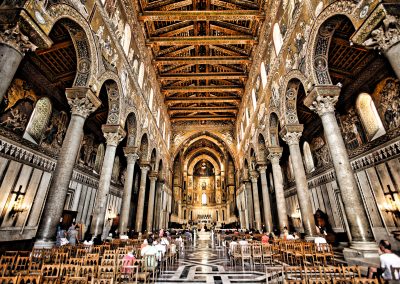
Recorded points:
(204,262)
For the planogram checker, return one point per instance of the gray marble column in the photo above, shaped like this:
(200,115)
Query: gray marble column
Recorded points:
(256,200)
(266,201)
(322,100)
(150,208)
(274,156)
(77,195)
(13,45)
(113,134)
(83,102)
(291,135)
(142,192)
(249,204)
(131,157)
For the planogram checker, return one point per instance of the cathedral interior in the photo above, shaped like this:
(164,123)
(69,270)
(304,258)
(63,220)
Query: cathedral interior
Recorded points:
(253,115)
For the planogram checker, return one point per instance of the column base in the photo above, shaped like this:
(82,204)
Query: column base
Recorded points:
(44,244)
(362,253)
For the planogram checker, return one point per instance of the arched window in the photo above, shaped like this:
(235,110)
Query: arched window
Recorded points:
(278,40)
(308,158)
(264,74)
(126,38)
(369,116)
(39,119)
(141,75)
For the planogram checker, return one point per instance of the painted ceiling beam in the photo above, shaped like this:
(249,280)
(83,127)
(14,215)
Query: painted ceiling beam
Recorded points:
(212,15)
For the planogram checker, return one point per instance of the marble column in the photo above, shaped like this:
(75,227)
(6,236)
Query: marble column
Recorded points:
(13,46)
(291,135)
(256,200)
(82,102)
(266,201)
(322,100)
(142,192)
(274,156)
(249,204)
(77,195)
(131,158)
(113,134)
(385,37)
(150,208)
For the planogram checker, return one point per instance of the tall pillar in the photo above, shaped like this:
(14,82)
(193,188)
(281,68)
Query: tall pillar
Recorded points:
(77,195)
(131,157)
(381,30)
(291,135)
(322,100)
(113,134)
(82,102)
(266,201)
(249,204)
(142,192)
(13,46)
(275,154)
(256,199)
(150,208)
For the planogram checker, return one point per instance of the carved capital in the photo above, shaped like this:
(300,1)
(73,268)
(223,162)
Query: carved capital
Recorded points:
(322,99)
(262,168)
(275,154)
(113,134)
(291,133)
(153,175)
(144,167)
(254,176)
(384,37)
(82,101)
(16,39)
(131,154)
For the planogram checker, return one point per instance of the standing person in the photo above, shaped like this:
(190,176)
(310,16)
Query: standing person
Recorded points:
(72,235)
(114,225)
(60,235)
(388,259)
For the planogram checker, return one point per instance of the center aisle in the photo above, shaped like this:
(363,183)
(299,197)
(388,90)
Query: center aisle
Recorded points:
(201,262)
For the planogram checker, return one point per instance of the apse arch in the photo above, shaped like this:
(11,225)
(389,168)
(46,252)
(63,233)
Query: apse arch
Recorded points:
(320,38)
(82,37)
(204,157)
(207,150)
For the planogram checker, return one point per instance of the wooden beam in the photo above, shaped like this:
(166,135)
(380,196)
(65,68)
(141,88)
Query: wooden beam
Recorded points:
(213,15)
(203,89)
(202,117)
(201,40)
(172,111)
(55,47)
(202,76)
(172,27)
(178,31)
(203,60)
(235,3)
(191,100)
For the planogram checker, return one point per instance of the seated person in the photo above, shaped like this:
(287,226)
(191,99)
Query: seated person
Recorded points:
(128,261)
(232,245)
(243,241)
(387,258)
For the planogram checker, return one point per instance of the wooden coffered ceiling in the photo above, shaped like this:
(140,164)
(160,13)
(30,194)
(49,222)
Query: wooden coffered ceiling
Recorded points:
(202,53)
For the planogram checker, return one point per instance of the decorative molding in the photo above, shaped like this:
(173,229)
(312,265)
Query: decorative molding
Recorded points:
(82,101)
(14,38)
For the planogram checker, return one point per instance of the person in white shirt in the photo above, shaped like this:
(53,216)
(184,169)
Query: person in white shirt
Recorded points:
(243,241)
(161,249)
(388,259)
(149,249)
(232,246)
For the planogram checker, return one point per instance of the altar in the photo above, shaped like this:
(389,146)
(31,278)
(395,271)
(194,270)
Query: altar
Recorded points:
(204,236)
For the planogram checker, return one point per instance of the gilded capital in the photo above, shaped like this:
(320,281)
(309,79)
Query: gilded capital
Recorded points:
(275,154)
(153,175)
(291,133)
(113,134)
(322,99)
(385,35)
(144,167)
(82,101)
(131,154)
(16,39)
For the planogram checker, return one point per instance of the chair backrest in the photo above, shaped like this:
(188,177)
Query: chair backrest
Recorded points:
(9,260)
(61,257)
(108,262)
(313,272)
(105,272)
(257,251)
(96,249)
(22,263)
(8,279)
(395,272)
(293,272)
(102,281)
(51,270)
(351,271)
(149,261)
(358,280)
(76,280)
(86,270)
(246,250)
(75,260)
(69,270)
(29,279)
(333,271)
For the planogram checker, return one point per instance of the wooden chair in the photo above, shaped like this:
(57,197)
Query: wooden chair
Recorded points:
(313,272)
(4,270)
(8,279)
(364,280)
(35,267)
(395,272)
(267,254)
(308,253)
(351,271)
(75,280)
(324,252)
(51,273)
(75,260)
(69,270)
(22,264)
(81,252)
(96,250)
(149,265)
(61,257)
(291,281)
(332,271)
(142,274)
(246,254)
(102,281)
(29,279)
(293,272)
(105,272)
(86,271)
(319,281)
(108,262)
(9,260)
(342,281)
(257,254)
